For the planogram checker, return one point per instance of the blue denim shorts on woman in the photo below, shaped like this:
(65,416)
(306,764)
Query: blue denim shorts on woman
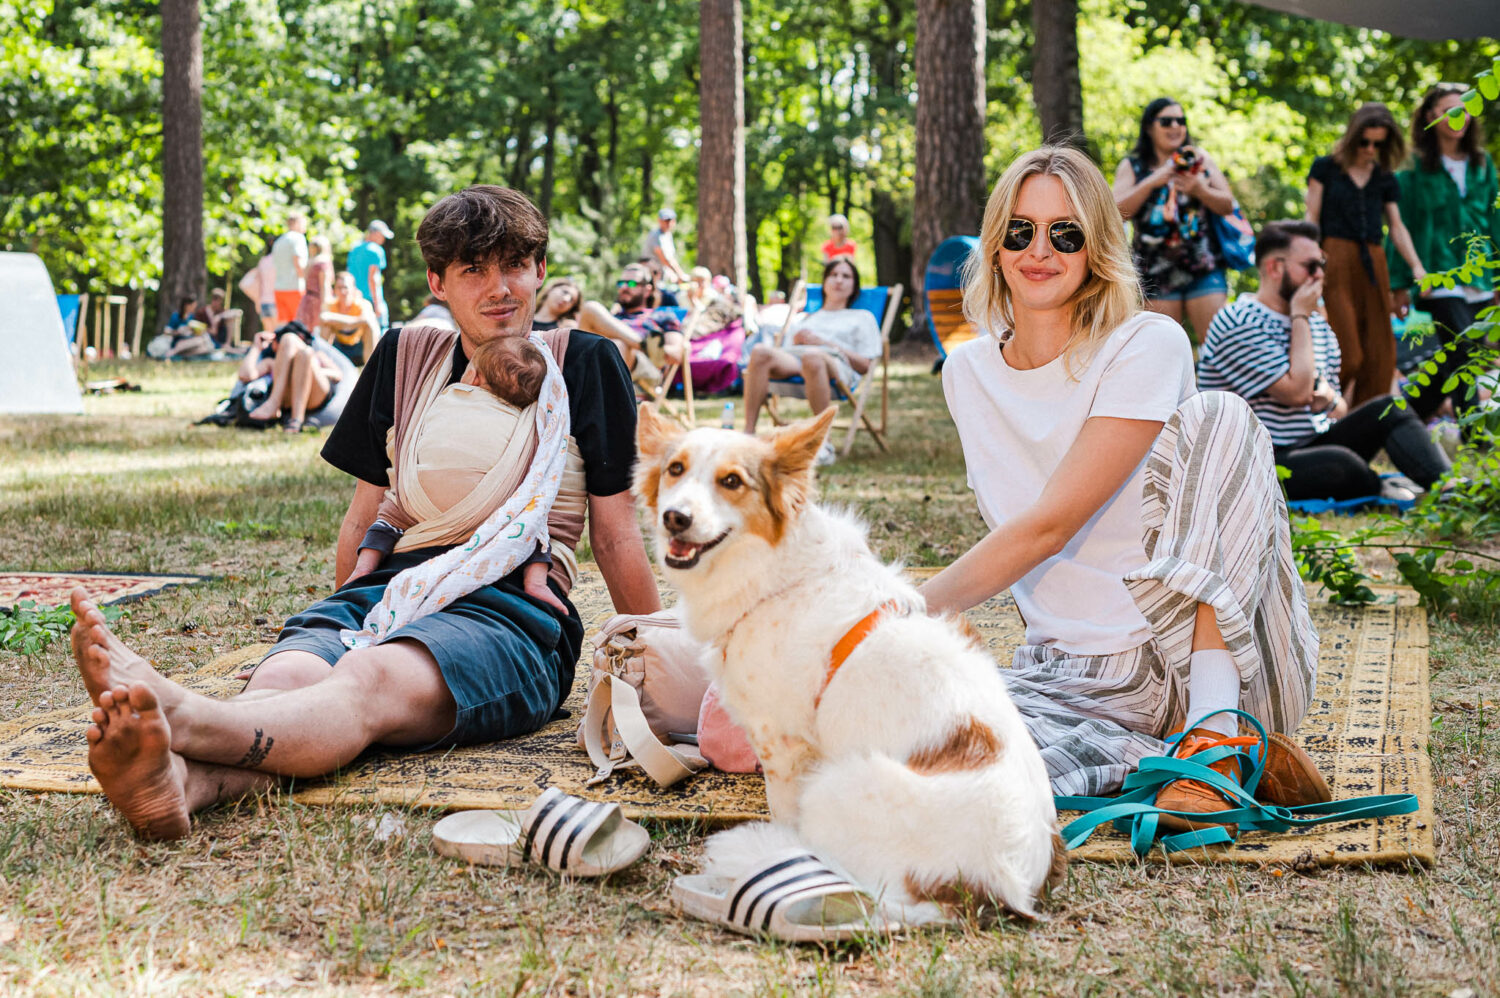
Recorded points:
(1212,283)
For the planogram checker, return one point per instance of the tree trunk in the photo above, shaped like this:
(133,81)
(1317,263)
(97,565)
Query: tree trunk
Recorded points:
(891,266)
(721,164)
(183,261)
(549,163)
(752,260)
(948,193)
(1055,83)
(520,167)
(589,165)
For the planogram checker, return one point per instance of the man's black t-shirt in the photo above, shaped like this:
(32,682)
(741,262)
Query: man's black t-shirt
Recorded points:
(601,401)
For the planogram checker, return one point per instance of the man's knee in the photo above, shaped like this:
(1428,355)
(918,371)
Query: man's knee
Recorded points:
(760,355)
(814,365)
(288,671)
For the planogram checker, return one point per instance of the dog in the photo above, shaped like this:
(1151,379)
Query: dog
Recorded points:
(889,745)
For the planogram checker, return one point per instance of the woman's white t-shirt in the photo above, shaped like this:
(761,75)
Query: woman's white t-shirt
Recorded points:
(1015,427)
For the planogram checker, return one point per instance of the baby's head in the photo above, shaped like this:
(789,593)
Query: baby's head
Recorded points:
(512,368)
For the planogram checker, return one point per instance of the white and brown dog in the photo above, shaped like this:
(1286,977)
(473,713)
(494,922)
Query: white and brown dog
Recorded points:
(889,744)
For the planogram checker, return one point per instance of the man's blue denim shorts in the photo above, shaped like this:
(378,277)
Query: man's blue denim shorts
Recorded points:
(508,660)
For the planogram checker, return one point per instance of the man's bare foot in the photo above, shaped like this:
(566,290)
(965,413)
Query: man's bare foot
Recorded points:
(131,756)
(104,662)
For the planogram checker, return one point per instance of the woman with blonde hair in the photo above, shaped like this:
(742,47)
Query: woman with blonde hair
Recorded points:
(1138,524)
(1351,196)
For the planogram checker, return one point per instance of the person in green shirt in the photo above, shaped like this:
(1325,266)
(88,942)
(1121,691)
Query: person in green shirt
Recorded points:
(1447,194)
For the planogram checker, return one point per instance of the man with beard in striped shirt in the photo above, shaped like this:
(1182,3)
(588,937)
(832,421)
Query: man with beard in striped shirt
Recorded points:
(1279,353)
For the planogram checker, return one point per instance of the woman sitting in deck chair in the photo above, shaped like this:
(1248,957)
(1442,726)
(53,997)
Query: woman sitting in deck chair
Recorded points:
(836,341)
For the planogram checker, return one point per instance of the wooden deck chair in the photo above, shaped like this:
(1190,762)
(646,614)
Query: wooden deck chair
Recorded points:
(945,294)
(884,303)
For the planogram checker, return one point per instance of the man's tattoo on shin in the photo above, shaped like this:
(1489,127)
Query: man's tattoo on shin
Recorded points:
(257,753)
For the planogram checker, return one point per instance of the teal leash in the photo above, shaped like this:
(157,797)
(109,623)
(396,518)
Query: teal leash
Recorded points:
(1134,813)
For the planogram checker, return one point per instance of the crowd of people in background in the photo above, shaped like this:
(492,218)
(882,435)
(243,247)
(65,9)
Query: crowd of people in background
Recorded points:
(1312,349)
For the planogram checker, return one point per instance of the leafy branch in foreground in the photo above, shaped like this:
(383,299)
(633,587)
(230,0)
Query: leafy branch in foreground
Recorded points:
(28,628)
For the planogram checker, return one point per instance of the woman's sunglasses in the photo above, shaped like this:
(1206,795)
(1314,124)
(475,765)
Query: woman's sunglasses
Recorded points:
(1066,236)
(1371,143)
(1168,120)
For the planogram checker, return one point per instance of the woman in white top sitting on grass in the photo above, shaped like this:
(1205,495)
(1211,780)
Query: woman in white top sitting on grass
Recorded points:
(834,339)
(1138,524)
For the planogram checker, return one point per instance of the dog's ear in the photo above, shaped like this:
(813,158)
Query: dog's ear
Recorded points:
(653,437)
(793,450)
(653,434)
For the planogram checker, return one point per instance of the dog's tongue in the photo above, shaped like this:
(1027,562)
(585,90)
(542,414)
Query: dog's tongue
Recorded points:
(678,548)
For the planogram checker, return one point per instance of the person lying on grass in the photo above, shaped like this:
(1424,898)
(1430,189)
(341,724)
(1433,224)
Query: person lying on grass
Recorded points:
(491,664)
(470,452)
(1138,524)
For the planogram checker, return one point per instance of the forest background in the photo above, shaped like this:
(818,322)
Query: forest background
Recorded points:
(361,109)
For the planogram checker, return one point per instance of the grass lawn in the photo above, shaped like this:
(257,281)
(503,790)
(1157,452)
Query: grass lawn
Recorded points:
(272,897)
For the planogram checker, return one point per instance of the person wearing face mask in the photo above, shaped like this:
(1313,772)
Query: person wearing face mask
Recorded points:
(1274,349)
(1351,194)
(1447,193)
(1136,522)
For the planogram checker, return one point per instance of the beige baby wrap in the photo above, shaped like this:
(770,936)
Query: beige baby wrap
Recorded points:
(471,450)
(518,502)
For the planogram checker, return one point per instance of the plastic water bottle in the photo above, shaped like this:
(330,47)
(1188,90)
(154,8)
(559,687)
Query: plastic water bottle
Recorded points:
(726,420)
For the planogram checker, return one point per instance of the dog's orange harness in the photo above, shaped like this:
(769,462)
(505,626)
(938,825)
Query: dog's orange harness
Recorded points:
(850,641)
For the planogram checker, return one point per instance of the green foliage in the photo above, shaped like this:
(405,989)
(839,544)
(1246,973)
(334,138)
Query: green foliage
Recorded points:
(362,109)
(28,629)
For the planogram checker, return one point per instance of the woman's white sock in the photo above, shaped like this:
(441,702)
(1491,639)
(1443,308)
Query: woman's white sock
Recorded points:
(1213,684)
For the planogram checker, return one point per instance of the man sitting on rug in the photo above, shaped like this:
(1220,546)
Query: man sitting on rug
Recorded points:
(490,664)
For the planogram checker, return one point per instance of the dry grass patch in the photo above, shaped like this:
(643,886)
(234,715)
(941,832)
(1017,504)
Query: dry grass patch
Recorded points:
(271,897)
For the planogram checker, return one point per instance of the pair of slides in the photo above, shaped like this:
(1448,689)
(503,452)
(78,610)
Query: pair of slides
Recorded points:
(793,896)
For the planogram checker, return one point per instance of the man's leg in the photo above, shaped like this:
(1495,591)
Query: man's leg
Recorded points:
(1378,424)
(152,787)
(393,694)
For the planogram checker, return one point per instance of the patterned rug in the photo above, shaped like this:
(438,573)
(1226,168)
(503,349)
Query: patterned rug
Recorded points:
(53,588)
(1367,731)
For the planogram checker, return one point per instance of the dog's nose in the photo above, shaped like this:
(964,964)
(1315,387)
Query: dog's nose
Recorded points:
(676,521)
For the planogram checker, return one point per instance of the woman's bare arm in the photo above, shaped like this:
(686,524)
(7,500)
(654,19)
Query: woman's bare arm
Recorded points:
(1102,459)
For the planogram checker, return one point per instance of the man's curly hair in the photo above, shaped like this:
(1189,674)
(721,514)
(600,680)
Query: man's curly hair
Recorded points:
(479,224)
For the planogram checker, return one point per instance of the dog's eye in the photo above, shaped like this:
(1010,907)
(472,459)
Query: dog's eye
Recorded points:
(674,469)
(731,481)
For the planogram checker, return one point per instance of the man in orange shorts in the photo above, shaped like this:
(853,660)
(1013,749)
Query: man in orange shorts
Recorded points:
(289,257)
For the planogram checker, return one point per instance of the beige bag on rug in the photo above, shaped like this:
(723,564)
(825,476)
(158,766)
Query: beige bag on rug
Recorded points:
(647,684)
